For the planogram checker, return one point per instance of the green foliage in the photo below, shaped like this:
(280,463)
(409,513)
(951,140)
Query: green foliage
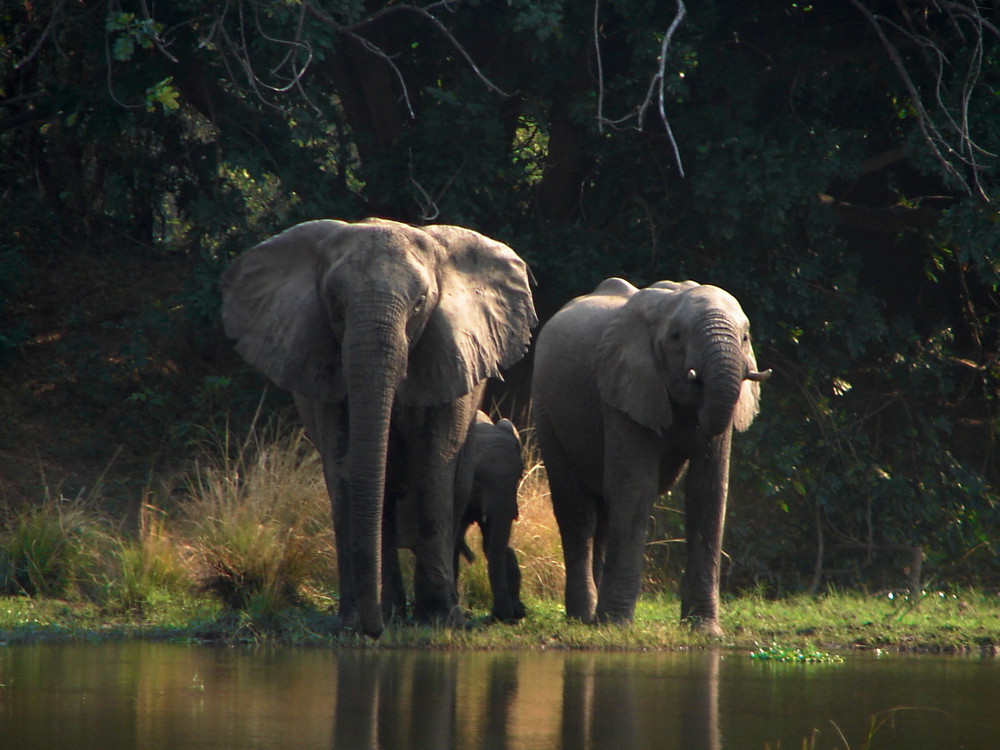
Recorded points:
(776,653)
(131,33)
(145,146)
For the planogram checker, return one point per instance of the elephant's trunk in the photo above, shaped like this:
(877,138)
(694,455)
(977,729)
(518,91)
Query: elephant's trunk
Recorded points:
(722,372)
(375,351)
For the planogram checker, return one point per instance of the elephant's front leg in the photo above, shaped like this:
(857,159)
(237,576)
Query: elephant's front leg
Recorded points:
(326,426)
(706,488)
(631,480)
(435,597)
(433,457)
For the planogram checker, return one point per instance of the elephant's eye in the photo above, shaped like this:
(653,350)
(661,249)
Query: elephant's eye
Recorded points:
(675,336)
(419,305)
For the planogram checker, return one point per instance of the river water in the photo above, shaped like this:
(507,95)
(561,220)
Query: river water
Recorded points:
(155,695)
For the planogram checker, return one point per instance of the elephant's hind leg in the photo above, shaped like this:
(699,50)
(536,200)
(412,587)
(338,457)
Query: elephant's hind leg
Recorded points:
(575,510)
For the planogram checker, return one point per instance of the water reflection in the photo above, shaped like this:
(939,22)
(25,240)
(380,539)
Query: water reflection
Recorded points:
(501,701)
(154,696)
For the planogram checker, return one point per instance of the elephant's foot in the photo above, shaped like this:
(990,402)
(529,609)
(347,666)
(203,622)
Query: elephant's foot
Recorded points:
(623,619)
(370,618)
(393,608)
(349,621)
(581,607)
(707,625)
(455,618)
(509,615)
(444,616)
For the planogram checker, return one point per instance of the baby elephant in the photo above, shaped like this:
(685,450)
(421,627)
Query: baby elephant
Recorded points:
(488,474)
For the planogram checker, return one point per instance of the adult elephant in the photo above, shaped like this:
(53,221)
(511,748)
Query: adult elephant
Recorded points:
(385,333)
(630,385)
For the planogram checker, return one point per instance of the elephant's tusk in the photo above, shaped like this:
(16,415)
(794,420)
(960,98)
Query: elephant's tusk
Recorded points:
(692,375)
(760,377)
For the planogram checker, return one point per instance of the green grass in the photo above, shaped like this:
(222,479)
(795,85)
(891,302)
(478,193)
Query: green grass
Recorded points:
(831,624)
(56,548)
(247,554)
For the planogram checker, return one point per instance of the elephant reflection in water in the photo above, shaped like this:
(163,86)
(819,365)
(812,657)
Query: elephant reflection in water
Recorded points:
(409,700)
(606,705)
(429,700)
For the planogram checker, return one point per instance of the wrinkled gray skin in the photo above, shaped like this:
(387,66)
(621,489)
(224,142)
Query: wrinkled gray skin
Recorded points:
(629,387)
(385,333)
(489,472)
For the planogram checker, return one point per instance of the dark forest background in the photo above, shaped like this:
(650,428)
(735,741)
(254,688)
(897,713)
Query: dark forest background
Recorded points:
(833,164)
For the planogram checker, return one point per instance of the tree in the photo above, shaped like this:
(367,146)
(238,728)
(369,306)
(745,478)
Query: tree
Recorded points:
(832,164)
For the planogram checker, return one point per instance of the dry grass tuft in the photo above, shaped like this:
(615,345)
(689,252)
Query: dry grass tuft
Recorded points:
(151,567)
(258,529)
(536,535)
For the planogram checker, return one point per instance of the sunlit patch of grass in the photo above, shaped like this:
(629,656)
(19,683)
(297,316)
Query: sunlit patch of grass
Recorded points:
(535,537)
(960,620)
(151,569)
(258,529)
(57,548)
(474,588)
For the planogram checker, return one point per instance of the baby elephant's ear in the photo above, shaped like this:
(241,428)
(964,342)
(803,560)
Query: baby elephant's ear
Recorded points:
(271,306)
(482,321)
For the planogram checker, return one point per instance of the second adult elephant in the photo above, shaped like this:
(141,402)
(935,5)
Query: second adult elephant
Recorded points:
(630,386)
(385,333)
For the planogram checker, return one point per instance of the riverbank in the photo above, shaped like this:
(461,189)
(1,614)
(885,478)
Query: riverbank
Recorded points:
(937,622)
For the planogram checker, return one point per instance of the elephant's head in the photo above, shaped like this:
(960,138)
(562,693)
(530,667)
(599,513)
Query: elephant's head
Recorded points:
(681,346)
(498,467)
(377,312)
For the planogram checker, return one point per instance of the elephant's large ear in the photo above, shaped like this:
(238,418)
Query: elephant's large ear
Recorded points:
(271,306)
(628,378)
(749,401)
(482,321)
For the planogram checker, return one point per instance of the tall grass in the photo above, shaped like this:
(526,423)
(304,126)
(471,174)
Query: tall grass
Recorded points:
(535,535)
(151,568)
(253,529)
(257,525)
(58,548)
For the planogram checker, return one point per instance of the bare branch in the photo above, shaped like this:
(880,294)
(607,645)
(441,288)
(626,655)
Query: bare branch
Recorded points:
(353,31)
(56,12)
(600,66)
(458,47)
(657,84)
(958,145)
(157,42)
(429,209)
(376,50)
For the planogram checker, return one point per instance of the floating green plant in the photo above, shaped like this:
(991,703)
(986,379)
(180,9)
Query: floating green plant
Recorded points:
(785,654)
